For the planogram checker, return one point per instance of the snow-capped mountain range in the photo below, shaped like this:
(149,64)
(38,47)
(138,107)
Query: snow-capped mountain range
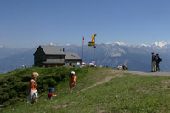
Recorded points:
(160,44)
(137,57)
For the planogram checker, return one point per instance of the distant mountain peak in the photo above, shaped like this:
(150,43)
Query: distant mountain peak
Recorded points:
(52,44)
(68,44)
(145,45)
(119,43)
(160,44)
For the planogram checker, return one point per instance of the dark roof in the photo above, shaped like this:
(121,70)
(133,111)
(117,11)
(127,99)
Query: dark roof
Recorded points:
(72,56)
(53,50)
(54,61)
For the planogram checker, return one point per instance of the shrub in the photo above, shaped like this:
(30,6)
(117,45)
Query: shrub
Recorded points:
(14,85)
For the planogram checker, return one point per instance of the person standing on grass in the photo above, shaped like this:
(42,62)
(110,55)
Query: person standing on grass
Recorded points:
(73,80)
(158,60)
(33,87)
(153,63)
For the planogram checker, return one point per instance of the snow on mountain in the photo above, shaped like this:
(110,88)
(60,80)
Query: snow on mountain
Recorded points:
(160,44)
(52,44)
(119,43)
(112,54)
(145,45)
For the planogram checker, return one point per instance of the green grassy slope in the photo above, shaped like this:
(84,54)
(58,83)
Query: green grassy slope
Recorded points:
(101,90)
(14,85)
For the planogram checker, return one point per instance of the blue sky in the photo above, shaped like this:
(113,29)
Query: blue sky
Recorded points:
(29,23)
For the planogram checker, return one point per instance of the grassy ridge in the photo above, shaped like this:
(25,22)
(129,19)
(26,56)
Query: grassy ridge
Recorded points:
(95,93)
(14,85)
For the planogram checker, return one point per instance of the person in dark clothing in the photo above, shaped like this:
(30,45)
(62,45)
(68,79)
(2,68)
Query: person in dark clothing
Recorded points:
(124,67)
(158,60)
(153,63)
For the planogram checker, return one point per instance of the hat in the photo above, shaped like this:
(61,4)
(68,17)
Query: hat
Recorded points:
(72,72)
(35,74)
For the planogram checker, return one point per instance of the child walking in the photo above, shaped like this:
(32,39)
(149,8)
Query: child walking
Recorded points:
(73,80)
(33,87)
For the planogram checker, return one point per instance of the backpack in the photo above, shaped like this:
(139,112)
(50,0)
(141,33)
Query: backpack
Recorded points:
(159,60)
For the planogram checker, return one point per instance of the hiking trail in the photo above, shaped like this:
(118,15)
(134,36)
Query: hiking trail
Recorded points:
(106,79)
(149,73)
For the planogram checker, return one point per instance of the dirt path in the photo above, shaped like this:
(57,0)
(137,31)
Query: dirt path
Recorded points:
(149,73)
(114,74)
(121,73)
(106,79)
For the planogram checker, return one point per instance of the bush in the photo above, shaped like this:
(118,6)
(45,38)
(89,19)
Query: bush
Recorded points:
(14,85)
